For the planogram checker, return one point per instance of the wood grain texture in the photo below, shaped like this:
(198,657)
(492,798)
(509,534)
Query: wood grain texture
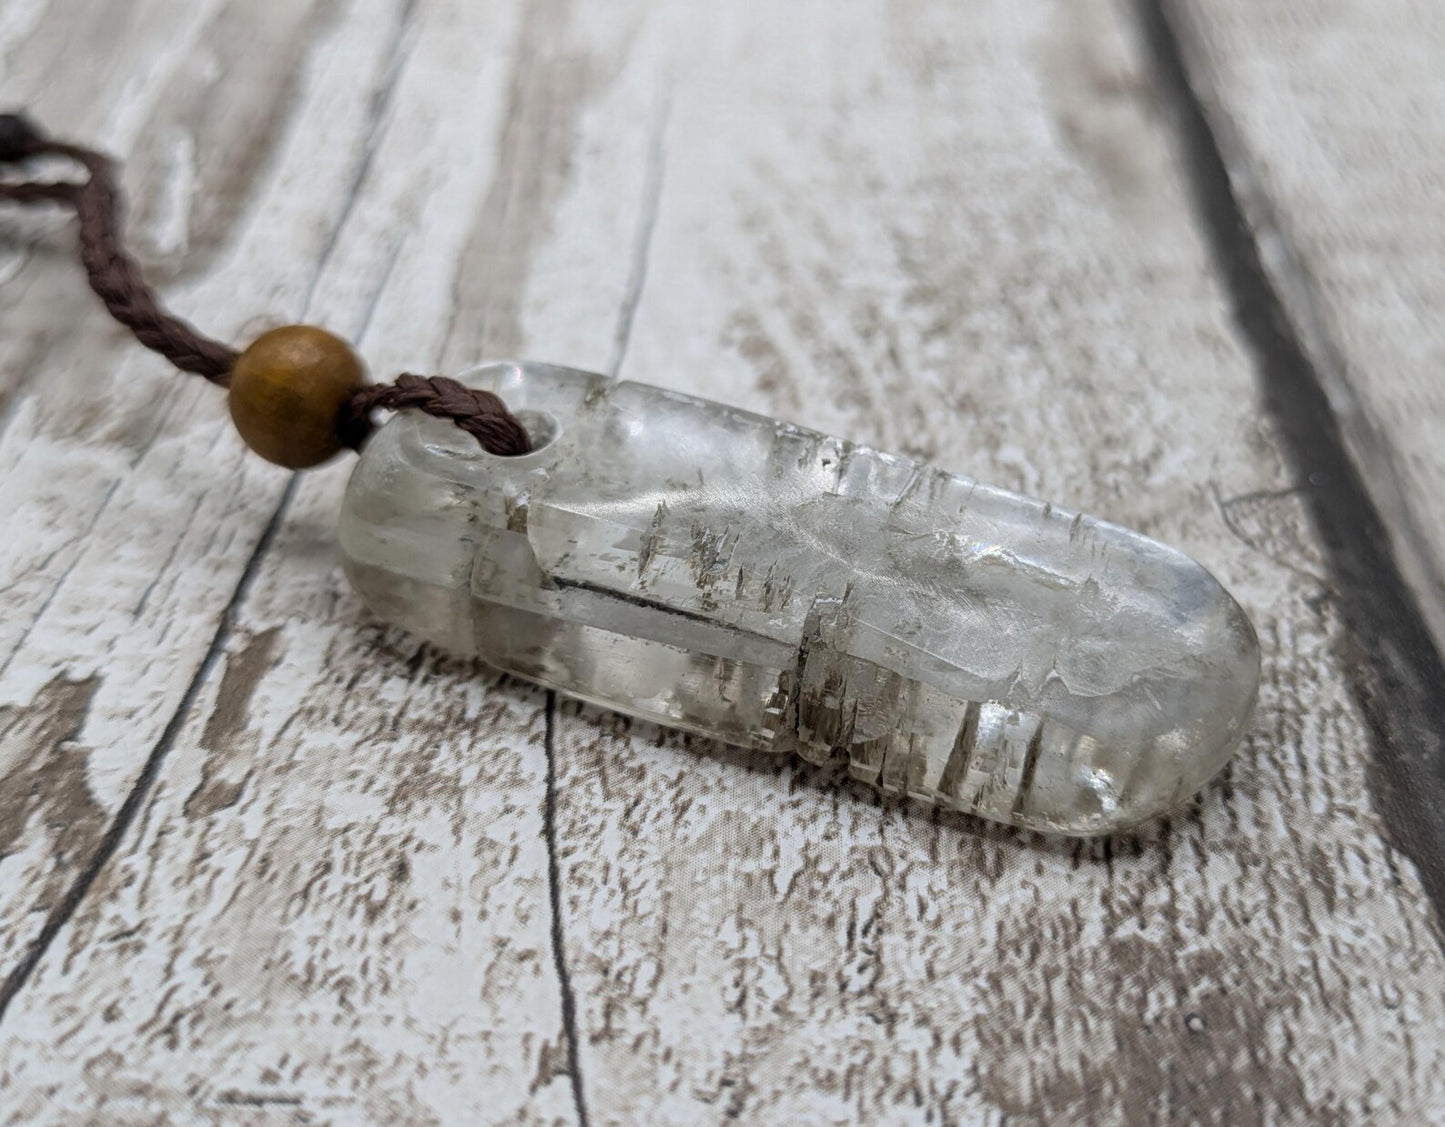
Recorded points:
(369,883)
(408,175)
(1333,117)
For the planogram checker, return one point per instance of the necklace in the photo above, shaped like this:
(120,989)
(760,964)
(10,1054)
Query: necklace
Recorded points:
(734,576)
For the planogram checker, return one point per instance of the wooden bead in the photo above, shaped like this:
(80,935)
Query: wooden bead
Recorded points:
(287,391)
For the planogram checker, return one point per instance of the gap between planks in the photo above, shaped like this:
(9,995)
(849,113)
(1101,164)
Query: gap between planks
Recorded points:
(1394,668)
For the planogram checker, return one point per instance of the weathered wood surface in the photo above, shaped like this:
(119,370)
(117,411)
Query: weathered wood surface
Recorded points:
(356,881)
(1333,118)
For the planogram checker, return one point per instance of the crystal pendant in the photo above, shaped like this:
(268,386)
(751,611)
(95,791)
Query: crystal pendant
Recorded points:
(769,586)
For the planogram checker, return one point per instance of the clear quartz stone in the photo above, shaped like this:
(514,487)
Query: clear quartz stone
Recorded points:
(769,586)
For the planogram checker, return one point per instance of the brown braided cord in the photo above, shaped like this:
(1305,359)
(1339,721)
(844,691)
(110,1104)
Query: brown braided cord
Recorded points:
(480,413)
(114,274)
(116,277)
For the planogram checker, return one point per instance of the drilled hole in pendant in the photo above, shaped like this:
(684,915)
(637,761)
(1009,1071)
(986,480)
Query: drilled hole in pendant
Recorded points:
(541,428)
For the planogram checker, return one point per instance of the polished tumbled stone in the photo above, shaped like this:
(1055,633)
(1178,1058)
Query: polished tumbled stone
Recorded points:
(724,573)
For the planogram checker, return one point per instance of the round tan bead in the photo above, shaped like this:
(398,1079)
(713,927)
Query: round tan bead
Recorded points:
(287,391)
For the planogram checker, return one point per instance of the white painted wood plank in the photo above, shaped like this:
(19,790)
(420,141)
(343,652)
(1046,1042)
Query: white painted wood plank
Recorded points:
(380,899)
(103,447)
(1333,116)
(958,234)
